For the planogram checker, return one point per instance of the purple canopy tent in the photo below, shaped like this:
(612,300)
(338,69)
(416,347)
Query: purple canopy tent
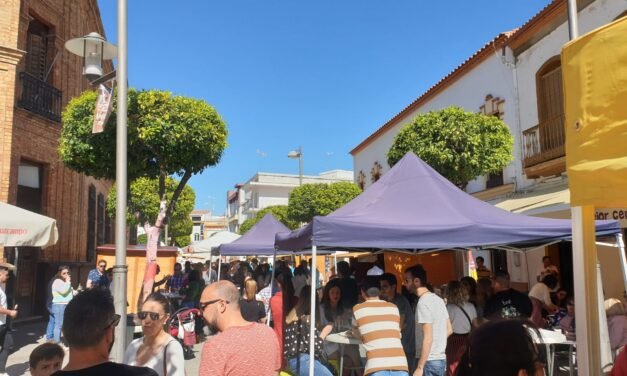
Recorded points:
(259,240)
(412,207)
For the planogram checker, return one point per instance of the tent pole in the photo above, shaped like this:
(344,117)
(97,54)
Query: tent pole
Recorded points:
(219,265)
(312,322)
(586,291)
(623,259)
(335,261)
(271,286)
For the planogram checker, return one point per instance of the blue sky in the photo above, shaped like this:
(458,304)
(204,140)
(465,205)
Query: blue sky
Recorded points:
(323,74)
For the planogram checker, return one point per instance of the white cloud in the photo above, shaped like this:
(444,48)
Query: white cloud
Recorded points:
(261,153)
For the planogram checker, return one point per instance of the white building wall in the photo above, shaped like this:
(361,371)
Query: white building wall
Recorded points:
(493,77)
(531,60)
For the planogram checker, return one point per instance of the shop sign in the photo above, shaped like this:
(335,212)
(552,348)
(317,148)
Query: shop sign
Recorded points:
(619,215)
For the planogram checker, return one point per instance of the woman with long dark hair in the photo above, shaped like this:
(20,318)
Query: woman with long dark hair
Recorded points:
(192,291)
(282,303)
(296,346)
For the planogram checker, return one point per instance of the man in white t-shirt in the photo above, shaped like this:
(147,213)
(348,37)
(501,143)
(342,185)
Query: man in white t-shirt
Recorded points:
(6,341)
(433,318)
(546,269)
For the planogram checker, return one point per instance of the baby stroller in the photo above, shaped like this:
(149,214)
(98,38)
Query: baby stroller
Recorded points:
(182,326)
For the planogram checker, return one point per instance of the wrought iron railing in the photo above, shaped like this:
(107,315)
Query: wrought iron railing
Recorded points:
(40,97)
(544,142)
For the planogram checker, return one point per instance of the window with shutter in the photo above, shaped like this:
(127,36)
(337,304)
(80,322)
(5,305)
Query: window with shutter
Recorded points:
(551,108)
(38,49)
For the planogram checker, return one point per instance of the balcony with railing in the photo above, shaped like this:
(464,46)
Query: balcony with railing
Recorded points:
(544,142)
(39,97)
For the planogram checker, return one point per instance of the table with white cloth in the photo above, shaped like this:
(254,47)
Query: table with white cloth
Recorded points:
(550,339)
(342,339)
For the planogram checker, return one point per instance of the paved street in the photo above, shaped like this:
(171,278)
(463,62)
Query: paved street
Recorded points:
(27,337)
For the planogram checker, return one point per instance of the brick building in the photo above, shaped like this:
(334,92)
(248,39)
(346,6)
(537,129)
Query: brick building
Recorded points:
(37,79)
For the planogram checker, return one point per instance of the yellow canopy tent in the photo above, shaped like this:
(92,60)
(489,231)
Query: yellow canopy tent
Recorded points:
(594,71)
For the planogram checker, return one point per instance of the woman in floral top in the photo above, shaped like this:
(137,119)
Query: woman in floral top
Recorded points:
(296,344)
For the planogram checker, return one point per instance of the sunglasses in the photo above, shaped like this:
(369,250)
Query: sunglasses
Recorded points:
(204,305)
(115,320)
(102,265)
(154,316)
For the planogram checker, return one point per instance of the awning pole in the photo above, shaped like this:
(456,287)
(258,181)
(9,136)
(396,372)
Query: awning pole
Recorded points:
(219,265)
(586,291)
(312,326)
(271,287)
(623,259)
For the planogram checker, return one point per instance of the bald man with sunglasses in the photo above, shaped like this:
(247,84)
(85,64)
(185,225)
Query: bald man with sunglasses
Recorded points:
(241,347)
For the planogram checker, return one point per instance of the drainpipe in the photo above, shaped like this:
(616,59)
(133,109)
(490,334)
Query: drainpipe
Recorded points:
(518,169)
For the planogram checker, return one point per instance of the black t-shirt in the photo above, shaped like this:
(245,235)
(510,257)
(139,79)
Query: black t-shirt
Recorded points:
(508,304)
(109,369)
(252,310)
(349,292)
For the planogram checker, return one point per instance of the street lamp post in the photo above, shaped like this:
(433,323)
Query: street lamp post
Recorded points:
(94,49)
(298,154)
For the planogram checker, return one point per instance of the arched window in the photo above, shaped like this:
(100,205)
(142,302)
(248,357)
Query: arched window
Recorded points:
(551,108)
(196,237)
(376,172)
(361,180)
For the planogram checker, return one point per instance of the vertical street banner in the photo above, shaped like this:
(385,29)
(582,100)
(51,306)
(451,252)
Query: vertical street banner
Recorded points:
(104,105)
(594,74)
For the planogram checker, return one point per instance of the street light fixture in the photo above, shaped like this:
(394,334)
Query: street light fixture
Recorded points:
(294,155)
(94,49)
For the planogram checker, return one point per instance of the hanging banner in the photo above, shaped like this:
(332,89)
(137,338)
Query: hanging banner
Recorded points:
(594,69)
(104,105)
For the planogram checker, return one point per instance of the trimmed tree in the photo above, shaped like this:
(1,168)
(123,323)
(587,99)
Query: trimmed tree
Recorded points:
(167,135)
(460,145)
(278,211)
(144,203)
(310,200)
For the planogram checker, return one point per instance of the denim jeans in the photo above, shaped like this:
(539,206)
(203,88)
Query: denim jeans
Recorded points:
(57,311)
(319,369)
(435,368)
(389,373)
(50,327)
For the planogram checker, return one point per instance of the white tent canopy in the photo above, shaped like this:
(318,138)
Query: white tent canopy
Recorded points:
(202,249)
(22,228)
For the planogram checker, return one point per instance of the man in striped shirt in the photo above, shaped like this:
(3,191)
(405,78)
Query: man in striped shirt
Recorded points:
(378,325)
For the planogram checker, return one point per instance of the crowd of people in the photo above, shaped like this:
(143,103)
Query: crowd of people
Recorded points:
(406,327)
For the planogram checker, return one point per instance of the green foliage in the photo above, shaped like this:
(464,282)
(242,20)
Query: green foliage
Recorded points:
(310,200)
(458,144)
(144,206)
(167,134)
(278,211)
(142,239)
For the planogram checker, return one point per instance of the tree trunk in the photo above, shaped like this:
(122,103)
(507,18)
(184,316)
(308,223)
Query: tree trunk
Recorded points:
(153,233)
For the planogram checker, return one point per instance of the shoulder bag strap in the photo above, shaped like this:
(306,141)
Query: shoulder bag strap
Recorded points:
(465,314)
(165,353)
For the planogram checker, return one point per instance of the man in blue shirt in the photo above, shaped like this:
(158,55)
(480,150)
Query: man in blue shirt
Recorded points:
(97,277)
